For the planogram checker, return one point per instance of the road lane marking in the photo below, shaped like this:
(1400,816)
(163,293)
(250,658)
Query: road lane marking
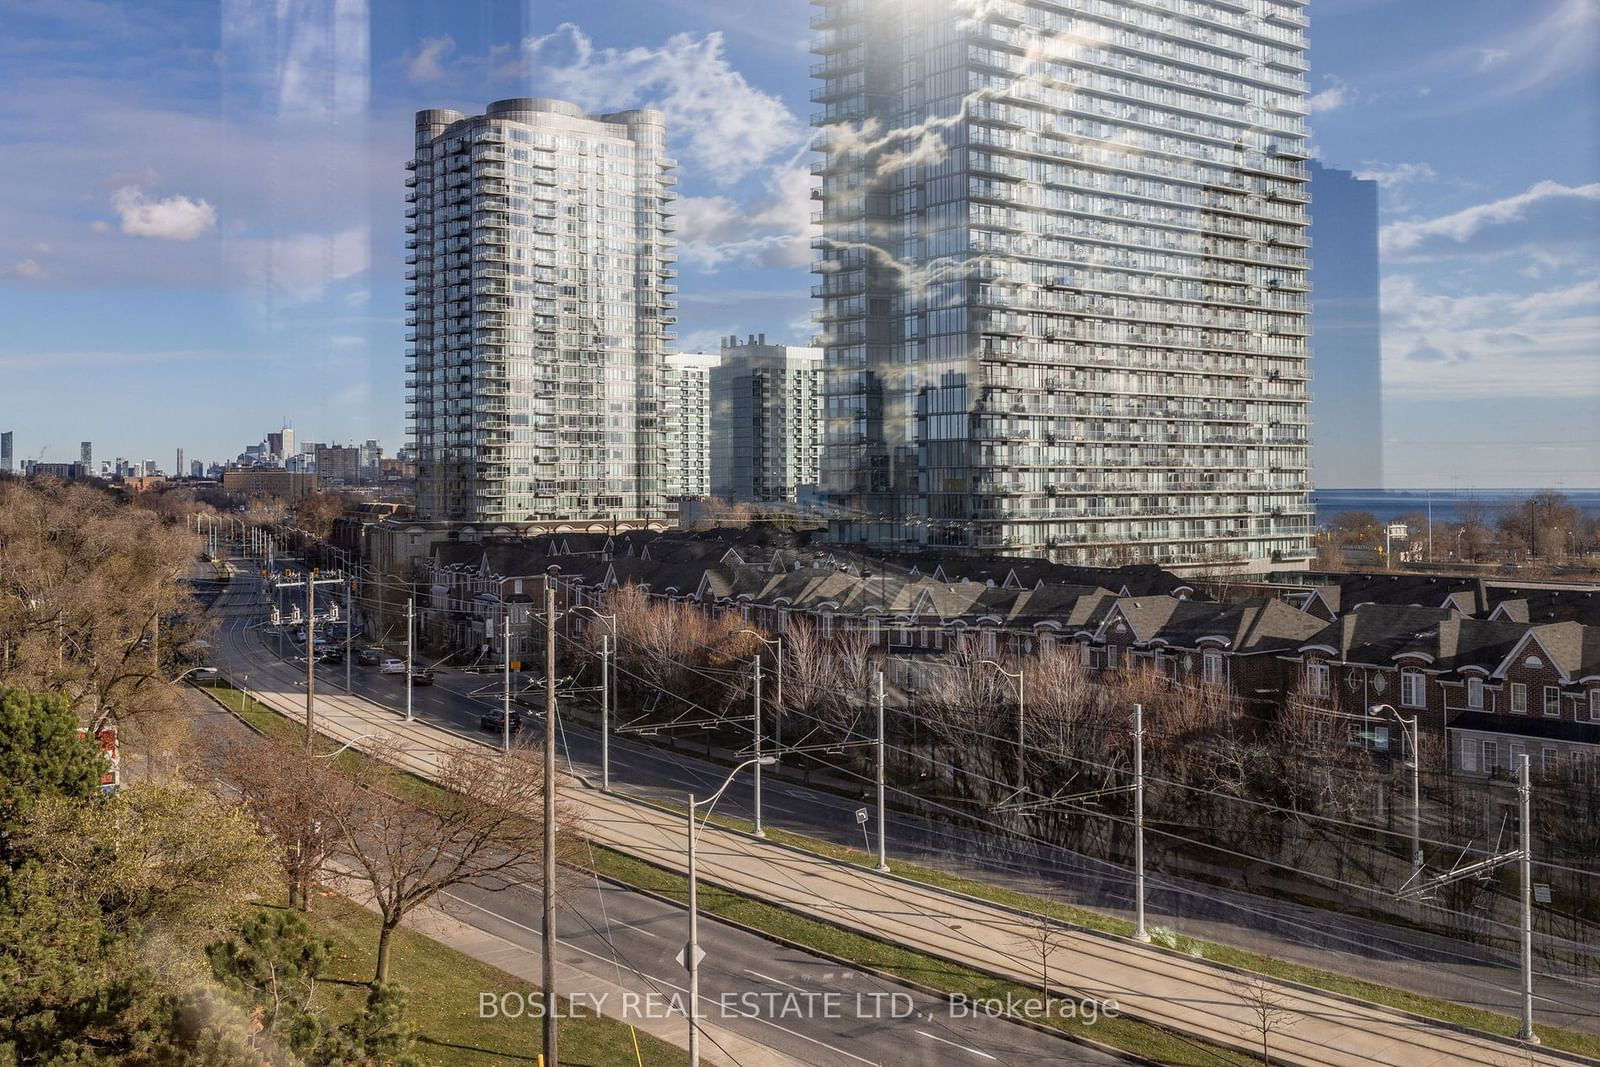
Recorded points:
(636,929)
(776,981)
(952,1044)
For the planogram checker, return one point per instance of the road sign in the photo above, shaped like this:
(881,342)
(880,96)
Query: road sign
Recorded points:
(862,816)
(699,956)
(1541,893)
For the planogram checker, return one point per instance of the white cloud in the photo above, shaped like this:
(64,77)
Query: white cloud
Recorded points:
(1334,96)
(426,64)
(1393,175)
(727,128)
(1442,343)
(100,226)
(177,218)
(28,269)
(1461,226)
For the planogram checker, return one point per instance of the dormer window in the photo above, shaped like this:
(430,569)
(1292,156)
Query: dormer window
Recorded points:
(1475,693)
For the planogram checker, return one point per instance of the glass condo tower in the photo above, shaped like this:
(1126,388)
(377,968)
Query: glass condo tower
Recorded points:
(539,268)
(1062,276)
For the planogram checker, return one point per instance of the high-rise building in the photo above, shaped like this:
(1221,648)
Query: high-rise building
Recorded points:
(178,470)
(687,416)
(1346,327)
(197,469)
(6,446)
(542,256)
(766,420)
(1063,276)
(86,456)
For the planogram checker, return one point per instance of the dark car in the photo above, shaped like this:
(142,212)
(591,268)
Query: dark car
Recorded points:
(494,722)
(421,676)
(332,655)
(369,657)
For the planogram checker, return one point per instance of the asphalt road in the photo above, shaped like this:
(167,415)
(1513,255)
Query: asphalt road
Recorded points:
(803,1005)
(1430,964)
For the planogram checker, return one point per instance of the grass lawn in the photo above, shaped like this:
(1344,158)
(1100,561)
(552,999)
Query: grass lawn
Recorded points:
(442,987)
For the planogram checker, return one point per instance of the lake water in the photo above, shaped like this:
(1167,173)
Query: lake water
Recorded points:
(1392,503)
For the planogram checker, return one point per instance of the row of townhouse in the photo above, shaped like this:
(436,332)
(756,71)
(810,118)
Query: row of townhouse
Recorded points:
(1486,689)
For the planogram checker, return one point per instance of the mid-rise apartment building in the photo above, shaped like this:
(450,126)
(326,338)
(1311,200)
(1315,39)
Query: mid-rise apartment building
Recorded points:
(539,273)
(766,421)
(688,423)
(1063,276)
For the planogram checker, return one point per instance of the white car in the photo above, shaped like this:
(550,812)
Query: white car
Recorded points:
(393,666)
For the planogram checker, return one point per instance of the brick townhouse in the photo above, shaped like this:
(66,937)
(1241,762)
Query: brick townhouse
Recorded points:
(1483,688)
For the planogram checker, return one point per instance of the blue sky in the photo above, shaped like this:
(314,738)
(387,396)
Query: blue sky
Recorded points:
(201,204)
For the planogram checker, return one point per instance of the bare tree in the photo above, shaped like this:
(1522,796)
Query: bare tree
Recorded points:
(1268,1008)
(290,794)
(1047,936)
(485,830)
(93,600)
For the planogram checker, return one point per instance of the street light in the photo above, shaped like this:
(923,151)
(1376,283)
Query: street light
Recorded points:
(1022,754)
(691,951)
(1408,729)
(605,693)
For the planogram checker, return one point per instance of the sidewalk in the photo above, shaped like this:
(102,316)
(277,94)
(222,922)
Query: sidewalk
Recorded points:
(1169,989)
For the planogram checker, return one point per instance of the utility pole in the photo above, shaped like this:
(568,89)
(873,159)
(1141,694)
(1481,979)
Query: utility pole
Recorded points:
(410,628)
(756,720)
(1139,930)
(1524,806)
(605,713)
(505,711)
(549,928)
(692,949)
(1417,888)
(311,655)
(349,632)
(883,813)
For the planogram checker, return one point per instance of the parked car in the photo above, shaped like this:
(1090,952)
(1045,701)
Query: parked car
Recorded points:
(421,676)
(393,666)
(369,657)
(494,722)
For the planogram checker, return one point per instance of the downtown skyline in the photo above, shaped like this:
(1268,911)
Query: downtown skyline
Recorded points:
(238,287)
